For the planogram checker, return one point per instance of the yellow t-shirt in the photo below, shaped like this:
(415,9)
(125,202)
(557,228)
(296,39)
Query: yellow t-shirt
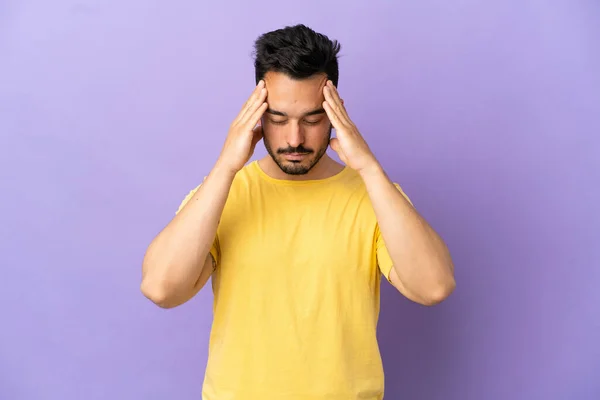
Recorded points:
(296,291)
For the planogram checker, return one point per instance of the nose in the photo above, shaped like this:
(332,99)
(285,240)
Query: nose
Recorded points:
(295,136)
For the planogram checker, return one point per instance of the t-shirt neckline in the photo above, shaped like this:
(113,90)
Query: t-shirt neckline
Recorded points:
(289,182)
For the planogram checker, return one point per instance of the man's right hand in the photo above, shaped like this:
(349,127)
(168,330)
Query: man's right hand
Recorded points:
(244,132)
(178,263)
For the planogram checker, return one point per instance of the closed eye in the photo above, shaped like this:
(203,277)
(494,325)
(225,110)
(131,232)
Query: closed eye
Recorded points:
(312,122)
(285,122)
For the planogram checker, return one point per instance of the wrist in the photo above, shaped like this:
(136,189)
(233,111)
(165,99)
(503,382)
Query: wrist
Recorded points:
(222,171)
(373,169)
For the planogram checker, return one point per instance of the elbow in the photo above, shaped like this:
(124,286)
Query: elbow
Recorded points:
(155,286)
(157,292)
(440,293)
(444,286)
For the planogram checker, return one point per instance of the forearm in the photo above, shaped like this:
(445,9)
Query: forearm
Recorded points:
(174,260)
(421,259)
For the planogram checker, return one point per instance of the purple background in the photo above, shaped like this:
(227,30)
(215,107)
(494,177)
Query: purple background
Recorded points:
(487,113)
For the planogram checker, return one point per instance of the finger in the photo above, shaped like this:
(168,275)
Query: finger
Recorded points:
(335,106)
(251,100)
(253,119)
(333,116)
(255,100)
(337,101)
(253,107)
(253,95)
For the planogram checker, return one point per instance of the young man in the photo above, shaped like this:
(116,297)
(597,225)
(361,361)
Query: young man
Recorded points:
(296,243)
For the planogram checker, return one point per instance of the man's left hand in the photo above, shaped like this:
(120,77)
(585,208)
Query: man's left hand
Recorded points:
(349,144)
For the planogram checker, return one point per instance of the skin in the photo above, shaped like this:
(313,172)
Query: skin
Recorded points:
(422,267)
(296,121)
(295,116)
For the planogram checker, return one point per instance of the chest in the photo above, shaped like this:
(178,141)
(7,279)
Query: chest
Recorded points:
(311,238)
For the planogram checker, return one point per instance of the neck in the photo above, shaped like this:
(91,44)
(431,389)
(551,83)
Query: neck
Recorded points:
(325,168)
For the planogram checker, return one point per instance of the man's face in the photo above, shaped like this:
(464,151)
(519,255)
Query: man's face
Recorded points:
(295,127)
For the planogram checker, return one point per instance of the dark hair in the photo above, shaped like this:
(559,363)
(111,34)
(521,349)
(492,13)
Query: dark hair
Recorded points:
(296,51)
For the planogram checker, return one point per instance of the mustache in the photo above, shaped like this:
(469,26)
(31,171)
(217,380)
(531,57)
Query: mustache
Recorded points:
(300,149)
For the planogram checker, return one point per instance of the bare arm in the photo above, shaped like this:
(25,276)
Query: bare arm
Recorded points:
(177,263)
(422,267)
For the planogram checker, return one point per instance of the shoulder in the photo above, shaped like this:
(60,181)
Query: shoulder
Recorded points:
(243,178)
(355,183)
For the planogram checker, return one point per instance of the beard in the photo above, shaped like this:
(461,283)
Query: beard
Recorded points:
(298,167)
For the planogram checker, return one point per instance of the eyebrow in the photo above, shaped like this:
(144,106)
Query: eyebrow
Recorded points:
(320,110)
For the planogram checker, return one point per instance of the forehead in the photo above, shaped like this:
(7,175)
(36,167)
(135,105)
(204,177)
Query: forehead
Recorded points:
(294,96)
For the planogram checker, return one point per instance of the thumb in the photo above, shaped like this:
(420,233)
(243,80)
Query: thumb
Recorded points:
(257,131)
(257,134)
(335,144)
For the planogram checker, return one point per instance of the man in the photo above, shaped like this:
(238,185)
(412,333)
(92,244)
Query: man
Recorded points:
(295,242)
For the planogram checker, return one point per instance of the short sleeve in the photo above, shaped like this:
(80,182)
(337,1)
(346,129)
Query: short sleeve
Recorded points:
(214,250)
(384,261)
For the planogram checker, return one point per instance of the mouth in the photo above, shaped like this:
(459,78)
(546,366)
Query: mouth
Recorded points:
(295,156)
